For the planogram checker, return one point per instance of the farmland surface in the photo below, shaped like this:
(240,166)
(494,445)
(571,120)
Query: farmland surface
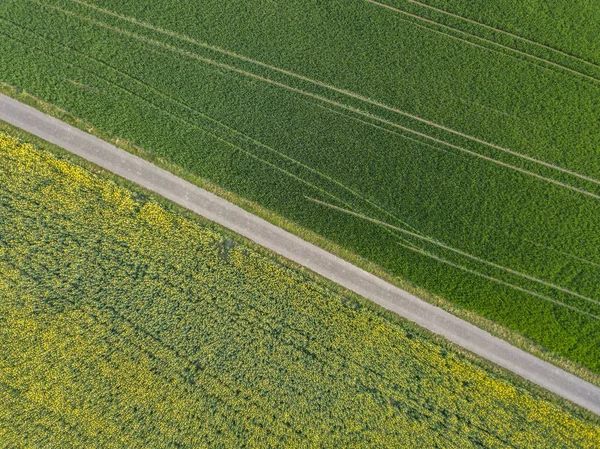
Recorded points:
(127,325)
(457,148)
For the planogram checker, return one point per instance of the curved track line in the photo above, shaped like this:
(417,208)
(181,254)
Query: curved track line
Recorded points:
(499,30)
(472,103)
(327,86)
(459,148)
(462,253)
(215,136)
(564,253)
(389,131)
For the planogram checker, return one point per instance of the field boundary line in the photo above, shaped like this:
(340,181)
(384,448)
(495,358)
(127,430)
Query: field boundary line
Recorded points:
(322,84)
(508,33)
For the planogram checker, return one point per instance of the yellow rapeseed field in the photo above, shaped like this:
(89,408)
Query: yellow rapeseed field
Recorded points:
(124,325)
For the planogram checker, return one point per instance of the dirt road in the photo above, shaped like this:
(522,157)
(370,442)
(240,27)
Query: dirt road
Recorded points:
(276,239)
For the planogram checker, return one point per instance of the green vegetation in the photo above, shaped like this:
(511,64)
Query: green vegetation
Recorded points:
(560,26)
(126,325)
(454,156)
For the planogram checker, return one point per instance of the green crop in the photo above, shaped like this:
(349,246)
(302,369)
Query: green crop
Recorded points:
(455,157)
(561,30)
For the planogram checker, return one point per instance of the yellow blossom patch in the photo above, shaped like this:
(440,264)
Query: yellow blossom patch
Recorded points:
(123,325)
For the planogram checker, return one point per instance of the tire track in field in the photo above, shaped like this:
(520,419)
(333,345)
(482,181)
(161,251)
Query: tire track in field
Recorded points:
(459,148)
(474,36)
(375,205)
(235,131)
(389,131)
(341,105)
(572,256)
(333,111)
(476,273)
(129,92)
(469,256)
(395,235)
(493,109)
(507,33)
(250,60)
(319,83)
(505,47)
(498,281)
(218,49)
(203,130)
(225,141)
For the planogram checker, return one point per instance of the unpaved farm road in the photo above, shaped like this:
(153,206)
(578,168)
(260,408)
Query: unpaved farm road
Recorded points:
(288,245)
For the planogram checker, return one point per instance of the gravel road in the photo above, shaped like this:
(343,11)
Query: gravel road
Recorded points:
(288,245)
